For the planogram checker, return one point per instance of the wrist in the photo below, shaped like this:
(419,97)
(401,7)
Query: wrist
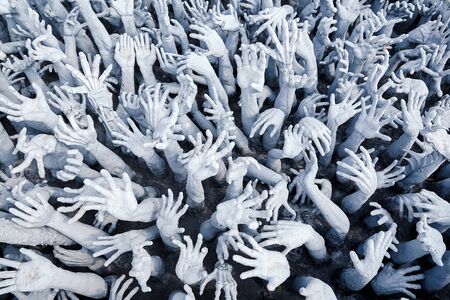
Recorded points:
(56,219)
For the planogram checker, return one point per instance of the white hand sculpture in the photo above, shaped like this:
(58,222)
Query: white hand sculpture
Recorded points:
(92,83)
(431,240)
(392,281)
(202,161)
(272,117)
(279,195)
(369,122)
(385,216)
(228,22)
(212,40)
(29,110)
(238,168)
(117,292)
(226,239)
(69,106)
(133,140)
(224,281)
(339,113)
(436,209)
(34,275)
(35,214)
(318,133)
(34,149)
(119,243)
(37,51)
(375,250)
(291,235)
(411,118)
(103,219)
(71,169)
(145,51)
(222,117)
(117,201)
(272,17)
(74,135)
(361,171)
(124,51)
(169,216)
(186,94)
(271,266)
(197,62)
(294,141)
(241,210)
(250,69)
(189,268)
(386,178)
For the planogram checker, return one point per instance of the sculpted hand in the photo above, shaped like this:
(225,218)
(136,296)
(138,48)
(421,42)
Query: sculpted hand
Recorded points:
(224,281)
(369,122)
(74,258)
(133,139)
(271,266)
(189,268)
(69,106)
(123,8)
(436,209)
(142,266)
(222,117)
(33,213)
(214,43)
(386,178)
(279,198)
(39,52)
(186,95)
(72,164)
(241,210)
(225,240)
(169,216)
(29,110)
(431,240)
(250,69)
(145,53)
(34,149)
(119,244)
(316,289)
(411,117)
(124,51)
(339,113)
(238,168)
(74,135)
(202,161)
(318,133)
(272,117)
(294,141)
(92,83)
(361,171)
(272,17)
(289,234)
(117,201)
(34,275)
(385,216)
(197,62)
(117,292)
(391,281)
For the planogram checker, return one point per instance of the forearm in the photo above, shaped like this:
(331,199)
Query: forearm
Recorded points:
(109,160)
(127,84)
(6,148)
(86,284)
(285,99)
(352,142)
(342,28)
(330,211)
(401,146)
(155,163)
(195,192)
(408,252)
(214,82)
(428,167)
(81,233)
(249,111)
(147,74)
(208,230)
(353,202)
(71,51)
(235,188)
(232,42)
(352,280)
(11,233)
(99,33)
(316,246)
(33,76)
(129,25)
(172,152)
(168,43)
(226,74)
